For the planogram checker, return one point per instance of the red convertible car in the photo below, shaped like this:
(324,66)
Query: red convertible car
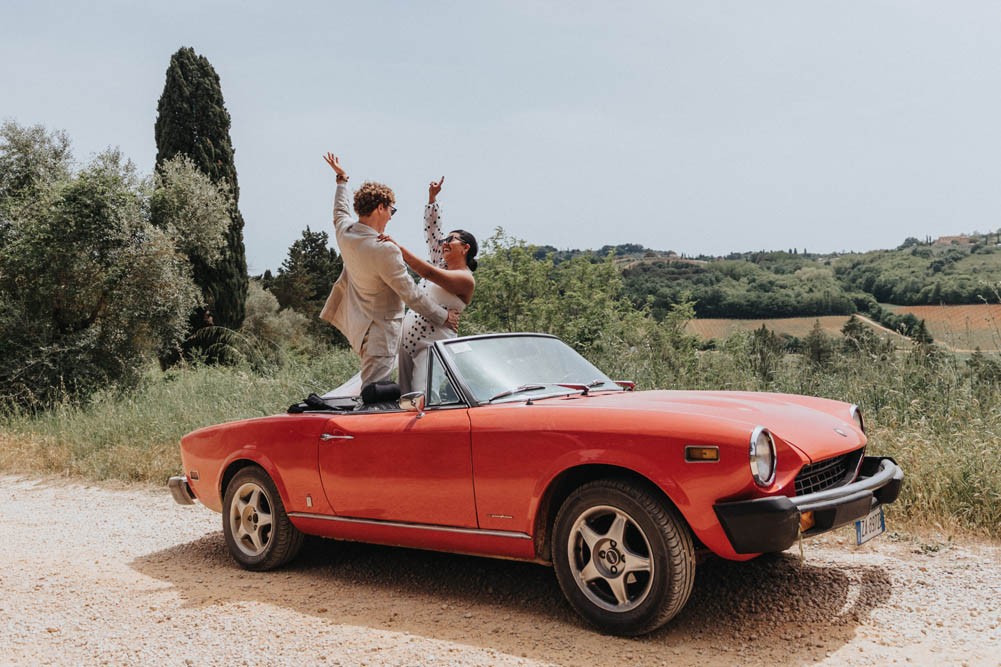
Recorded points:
(520,448)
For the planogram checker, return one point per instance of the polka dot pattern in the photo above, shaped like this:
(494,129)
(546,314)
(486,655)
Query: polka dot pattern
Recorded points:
(418,331)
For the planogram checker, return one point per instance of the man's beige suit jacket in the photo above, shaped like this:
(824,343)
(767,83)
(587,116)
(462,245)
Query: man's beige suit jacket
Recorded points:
(368,296)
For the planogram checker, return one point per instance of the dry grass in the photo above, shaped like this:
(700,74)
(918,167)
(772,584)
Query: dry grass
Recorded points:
(963,328)
(926,408)
(719,328)
(135,437)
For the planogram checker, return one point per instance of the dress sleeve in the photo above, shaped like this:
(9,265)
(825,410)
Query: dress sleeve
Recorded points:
(432,233)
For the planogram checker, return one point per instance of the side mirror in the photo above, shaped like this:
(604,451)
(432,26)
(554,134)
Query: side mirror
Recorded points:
(413,402)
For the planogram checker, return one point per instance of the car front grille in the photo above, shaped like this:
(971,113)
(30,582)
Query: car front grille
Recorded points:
(828,473)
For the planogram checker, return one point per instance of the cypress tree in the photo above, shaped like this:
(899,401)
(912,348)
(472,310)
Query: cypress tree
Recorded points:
(192,119)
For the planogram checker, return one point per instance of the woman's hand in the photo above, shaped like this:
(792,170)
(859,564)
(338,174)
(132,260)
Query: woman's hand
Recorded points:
(434,189)
(388,239)
(335,164)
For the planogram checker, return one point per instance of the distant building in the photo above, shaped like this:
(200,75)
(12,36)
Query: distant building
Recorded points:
(961,239)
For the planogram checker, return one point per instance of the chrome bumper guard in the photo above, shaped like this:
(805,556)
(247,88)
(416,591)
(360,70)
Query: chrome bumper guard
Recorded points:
(765,525)
(181,491)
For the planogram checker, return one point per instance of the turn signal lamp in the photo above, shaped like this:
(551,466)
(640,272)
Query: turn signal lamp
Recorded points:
(806,521)
(702,453)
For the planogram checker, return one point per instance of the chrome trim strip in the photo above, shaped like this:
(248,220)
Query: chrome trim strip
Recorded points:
(328,436)
(181,491)
(758,430)
(854,410)
(418,526)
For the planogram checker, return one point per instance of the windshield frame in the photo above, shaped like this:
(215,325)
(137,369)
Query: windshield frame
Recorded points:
(467,393)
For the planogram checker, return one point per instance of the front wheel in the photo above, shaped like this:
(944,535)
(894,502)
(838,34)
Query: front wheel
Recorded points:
(258,532)
(623,557)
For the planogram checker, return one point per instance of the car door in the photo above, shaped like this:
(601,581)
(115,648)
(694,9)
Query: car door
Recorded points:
(401,466)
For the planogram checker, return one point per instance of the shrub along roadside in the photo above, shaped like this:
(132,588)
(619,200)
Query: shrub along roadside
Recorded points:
(937,416)
(134,436)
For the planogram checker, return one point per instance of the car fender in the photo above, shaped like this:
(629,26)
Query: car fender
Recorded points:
(257,457)
(638,464)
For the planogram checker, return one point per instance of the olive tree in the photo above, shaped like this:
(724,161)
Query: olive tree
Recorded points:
(89,287)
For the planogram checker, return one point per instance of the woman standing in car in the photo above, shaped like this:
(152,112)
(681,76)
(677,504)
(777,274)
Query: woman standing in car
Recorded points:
(448,280)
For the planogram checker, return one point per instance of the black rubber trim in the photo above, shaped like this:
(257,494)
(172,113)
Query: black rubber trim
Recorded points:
(771,524)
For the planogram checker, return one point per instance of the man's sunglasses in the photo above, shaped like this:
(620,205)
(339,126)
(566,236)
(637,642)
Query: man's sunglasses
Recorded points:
(392,211)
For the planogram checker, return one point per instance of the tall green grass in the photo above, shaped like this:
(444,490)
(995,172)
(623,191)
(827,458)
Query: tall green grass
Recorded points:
(938,415)
(134,436)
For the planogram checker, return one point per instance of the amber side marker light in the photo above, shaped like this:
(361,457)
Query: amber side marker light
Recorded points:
(702,453)
(806,521)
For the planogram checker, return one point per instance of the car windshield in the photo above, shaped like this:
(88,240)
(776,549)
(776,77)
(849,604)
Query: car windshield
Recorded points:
(521,367)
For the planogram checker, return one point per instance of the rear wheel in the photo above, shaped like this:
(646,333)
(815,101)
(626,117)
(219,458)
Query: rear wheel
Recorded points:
(623,557)
(258,532)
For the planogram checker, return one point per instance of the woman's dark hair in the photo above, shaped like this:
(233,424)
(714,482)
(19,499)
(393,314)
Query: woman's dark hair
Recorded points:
(469,240)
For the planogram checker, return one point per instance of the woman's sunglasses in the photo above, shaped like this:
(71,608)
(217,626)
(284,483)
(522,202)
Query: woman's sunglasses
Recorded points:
(448,239)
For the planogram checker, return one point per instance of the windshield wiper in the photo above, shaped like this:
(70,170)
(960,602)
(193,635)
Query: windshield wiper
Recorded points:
(584,388)
(517,390)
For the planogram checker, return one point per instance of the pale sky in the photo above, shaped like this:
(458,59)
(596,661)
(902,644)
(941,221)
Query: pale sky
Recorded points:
(698,126)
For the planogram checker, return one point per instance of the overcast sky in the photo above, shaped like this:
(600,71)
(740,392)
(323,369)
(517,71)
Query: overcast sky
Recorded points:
(697,126)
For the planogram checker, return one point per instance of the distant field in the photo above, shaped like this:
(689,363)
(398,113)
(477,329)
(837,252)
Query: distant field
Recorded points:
(961,327)
(794,326)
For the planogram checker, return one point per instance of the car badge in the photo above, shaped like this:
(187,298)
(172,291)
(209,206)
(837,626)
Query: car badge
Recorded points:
(841,433)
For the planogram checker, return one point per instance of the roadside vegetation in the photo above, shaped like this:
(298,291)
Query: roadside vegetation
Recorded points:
(127,318)
(938,415)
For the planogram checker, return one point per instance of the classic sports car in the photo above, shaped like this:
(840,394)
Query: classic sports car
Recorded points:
(520,448)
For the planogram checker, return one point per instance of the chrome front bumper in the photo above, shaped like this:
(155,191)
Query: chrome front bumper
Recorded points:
(181,491)
(765,525)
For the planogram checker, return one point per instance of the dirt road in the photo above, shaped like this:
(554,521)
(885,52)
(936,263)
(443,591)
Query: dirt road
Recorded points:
(94,575)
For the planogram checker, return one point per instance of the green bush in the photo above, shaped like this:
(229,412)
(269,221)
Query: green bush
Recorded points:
(275,327)
(581,300)
(939,416)
(134,436)
(89,288)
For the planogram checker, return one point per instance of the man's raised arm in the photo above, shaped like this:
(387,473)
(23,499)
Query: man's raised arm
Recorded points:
(342,198)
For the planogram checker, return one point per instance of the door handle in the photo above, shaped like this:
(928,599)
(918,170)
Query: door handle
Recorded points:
(330,436)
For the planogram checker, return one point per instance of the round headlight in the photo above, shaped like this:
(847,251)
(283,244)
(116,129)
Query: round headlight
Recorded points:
(857,418)
(762,456)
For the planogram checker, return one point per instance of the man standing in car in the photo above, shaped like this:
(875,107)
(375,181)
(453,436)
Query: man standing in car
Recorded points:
(366,302)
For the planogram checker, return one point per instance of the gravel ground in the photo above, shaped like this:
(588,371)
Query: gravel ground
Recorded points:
(98,575)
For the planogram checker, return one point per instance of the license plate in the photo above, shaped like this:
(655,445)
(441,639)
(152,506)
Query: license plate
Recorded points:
(870,526)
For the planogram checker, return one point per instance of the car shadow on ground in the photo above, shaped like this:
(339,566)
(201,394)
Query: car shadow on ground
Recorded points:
(776,607)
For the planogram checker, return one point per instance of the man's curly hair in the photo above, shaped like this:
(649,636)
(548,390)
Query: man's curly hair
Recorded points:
(370,195)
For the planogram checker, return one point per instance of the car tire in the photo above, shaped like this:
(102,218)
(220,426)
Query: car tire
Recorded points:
(623,557)
(258,532)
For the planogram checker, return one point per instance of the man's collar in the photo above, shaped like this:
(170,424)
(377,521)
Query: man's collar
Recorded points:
(365,226)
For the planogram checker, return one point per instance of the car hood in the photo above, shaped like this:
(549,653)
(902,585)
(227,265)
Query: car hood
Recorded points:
(811,425)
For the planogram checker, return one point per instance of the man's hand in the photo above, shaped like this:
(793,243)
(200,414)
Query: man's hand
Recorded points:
(453,320)
(335,164)
(434,189)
